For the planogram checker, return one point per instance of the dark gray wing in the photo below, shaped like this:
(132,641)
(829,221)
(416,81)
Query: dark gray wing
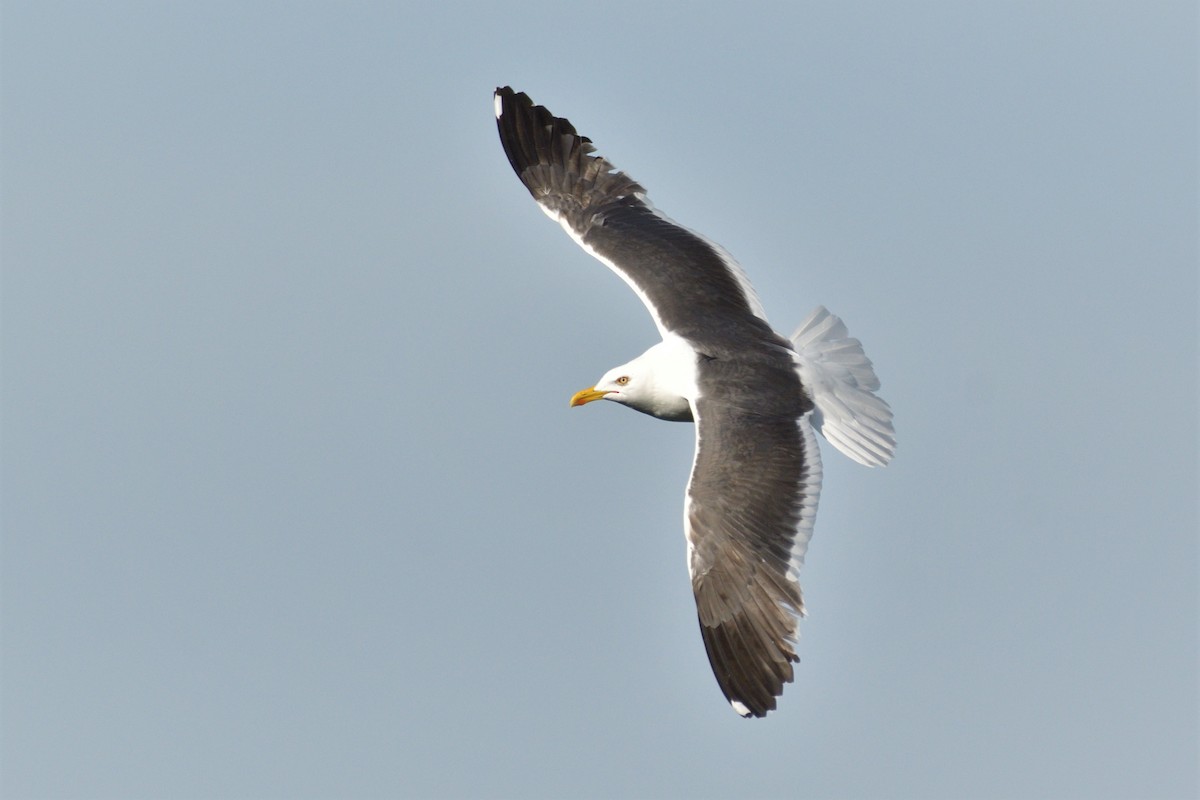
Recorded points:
(684,279)
(750,507)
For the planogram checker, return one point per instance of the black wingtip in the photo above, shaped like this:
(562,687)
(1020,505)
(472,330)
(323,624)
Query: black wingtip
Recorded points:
(552,158)
(750,670)
(533,136)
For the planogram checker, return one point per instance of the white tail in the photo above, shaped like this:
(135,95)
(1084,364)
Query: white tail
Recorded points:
(842,384)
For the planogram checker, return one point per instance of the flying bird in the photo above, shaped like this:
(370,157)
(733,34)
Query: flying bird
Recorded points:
(755,398)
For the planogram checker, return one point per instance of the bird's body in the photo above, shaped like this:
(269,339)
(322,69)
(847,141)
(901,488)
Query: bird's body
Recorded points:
(754,396)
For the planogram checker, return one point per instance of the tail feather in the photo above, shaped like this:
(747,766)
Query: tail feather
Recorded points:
(842,384)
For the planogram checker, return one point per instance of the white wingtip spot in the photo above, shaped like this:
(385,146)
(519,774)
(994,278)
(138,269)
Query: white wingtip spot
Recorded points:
(739,708)
(499,105)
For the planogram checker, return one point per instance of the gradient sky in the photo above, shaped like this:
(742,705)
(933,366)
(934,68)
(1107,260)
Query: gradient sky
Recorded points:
(293,503)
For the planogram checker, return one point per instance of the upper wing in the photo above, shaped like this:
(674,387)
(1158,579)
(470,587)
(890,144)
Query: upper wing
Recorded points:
(842,383)
(680,276)
(749,514)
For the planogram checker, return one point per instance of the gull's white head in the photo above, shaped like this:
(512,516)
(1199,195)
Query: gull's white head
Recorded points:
(640,385)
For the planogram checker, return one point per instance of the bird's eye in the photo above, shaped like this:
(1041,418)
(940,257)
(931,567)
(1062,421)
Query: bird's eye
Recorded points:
(624,379)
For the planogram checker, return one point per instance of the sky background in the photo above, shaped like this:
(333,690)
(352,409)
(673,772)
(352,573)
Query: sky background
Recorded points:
(293,503)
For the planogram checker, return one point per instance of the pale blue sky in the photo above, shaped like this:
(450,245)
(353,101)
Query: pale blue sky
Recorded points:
(293,504)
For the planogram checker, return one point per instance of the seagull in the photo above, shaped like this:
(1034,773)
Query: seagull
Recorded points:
(755,398)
